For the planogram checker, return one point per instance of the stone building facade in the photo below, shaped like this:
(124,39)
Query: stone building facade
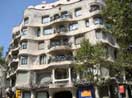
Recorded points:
(2,81)
(43,45)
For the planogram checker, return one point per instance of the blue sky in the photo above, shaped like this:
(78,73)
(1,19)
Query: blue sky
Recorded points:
(11,13)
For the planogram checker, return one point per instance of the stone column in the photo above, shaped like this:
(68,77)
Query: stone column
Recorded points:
(96,92)
(91,21)
(53,76)
(50,94)
(32,94)
(78,76)
(73,93)
(47,44)
(69,73)
(41,31)
(72,41)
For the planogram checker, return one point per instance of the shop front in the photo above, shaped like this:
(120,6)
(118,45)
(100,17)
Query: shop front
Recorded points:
(86,92)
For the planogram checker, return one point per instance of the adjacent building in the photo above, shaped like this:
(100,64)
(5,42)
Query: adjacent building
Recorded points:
(2,81)
(41,52)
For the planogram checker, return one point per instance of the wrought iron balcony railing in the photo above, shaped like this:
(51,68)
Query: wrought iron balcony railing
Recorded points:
(61,58)
(56,44)
(61,17)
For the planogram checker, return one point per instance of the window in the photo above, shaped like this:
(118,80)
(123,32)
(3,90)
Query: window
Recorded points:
(65,15)
(78,12)
(38,32)
(48,31)
(61,73)
(41,45)
(43,59)
(26,95)
(99,34)
(108,26)
(24,60)
(110,38)
(87,23)
(24,45)
(24,32)
(56,16)
(61,57)
(73,26)
(105,51)
(98,20)
(45,19)
(62,28)
(94,7)
(26,20)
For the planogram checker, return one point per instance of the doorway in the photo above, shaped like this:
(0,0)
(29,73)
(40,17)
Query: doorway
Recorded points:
(63,94)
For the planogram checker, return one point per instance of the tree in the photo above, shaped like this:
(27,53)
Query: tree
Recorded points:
(2,61)
(118,21)
(2,73)
(117,18)
(90,57)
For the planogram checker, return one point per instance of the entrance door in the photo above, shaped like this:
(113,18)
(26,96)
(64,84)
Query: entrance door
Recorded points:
(63,94)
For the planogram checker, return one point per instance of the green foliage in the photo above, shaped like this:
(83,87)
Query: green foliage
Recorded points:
(124,59)
(2,61)
(118,19)
(117,15)
(89,55)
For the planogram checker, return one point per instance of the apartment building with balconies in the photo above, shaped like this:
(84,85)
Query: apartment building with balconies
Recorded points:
(42,49)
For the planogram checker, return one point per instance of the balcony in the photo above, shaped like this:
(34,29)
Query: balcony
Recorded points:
(61,77)
(62,58)
(41,85)
(16,36)
(61,30)
(13,71)
(15,49)
(57,46)
(94,7)
(59,18)
(14,59)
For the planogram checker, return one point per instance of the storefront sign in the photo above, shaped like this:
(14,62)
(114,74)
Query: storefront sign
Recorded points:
(86,93)
(121,89)
(18,93)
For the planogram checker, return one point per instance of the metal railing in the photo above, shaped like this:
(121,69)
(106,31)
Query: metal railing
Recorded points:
(56,44)
(61,58)
(62,17)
